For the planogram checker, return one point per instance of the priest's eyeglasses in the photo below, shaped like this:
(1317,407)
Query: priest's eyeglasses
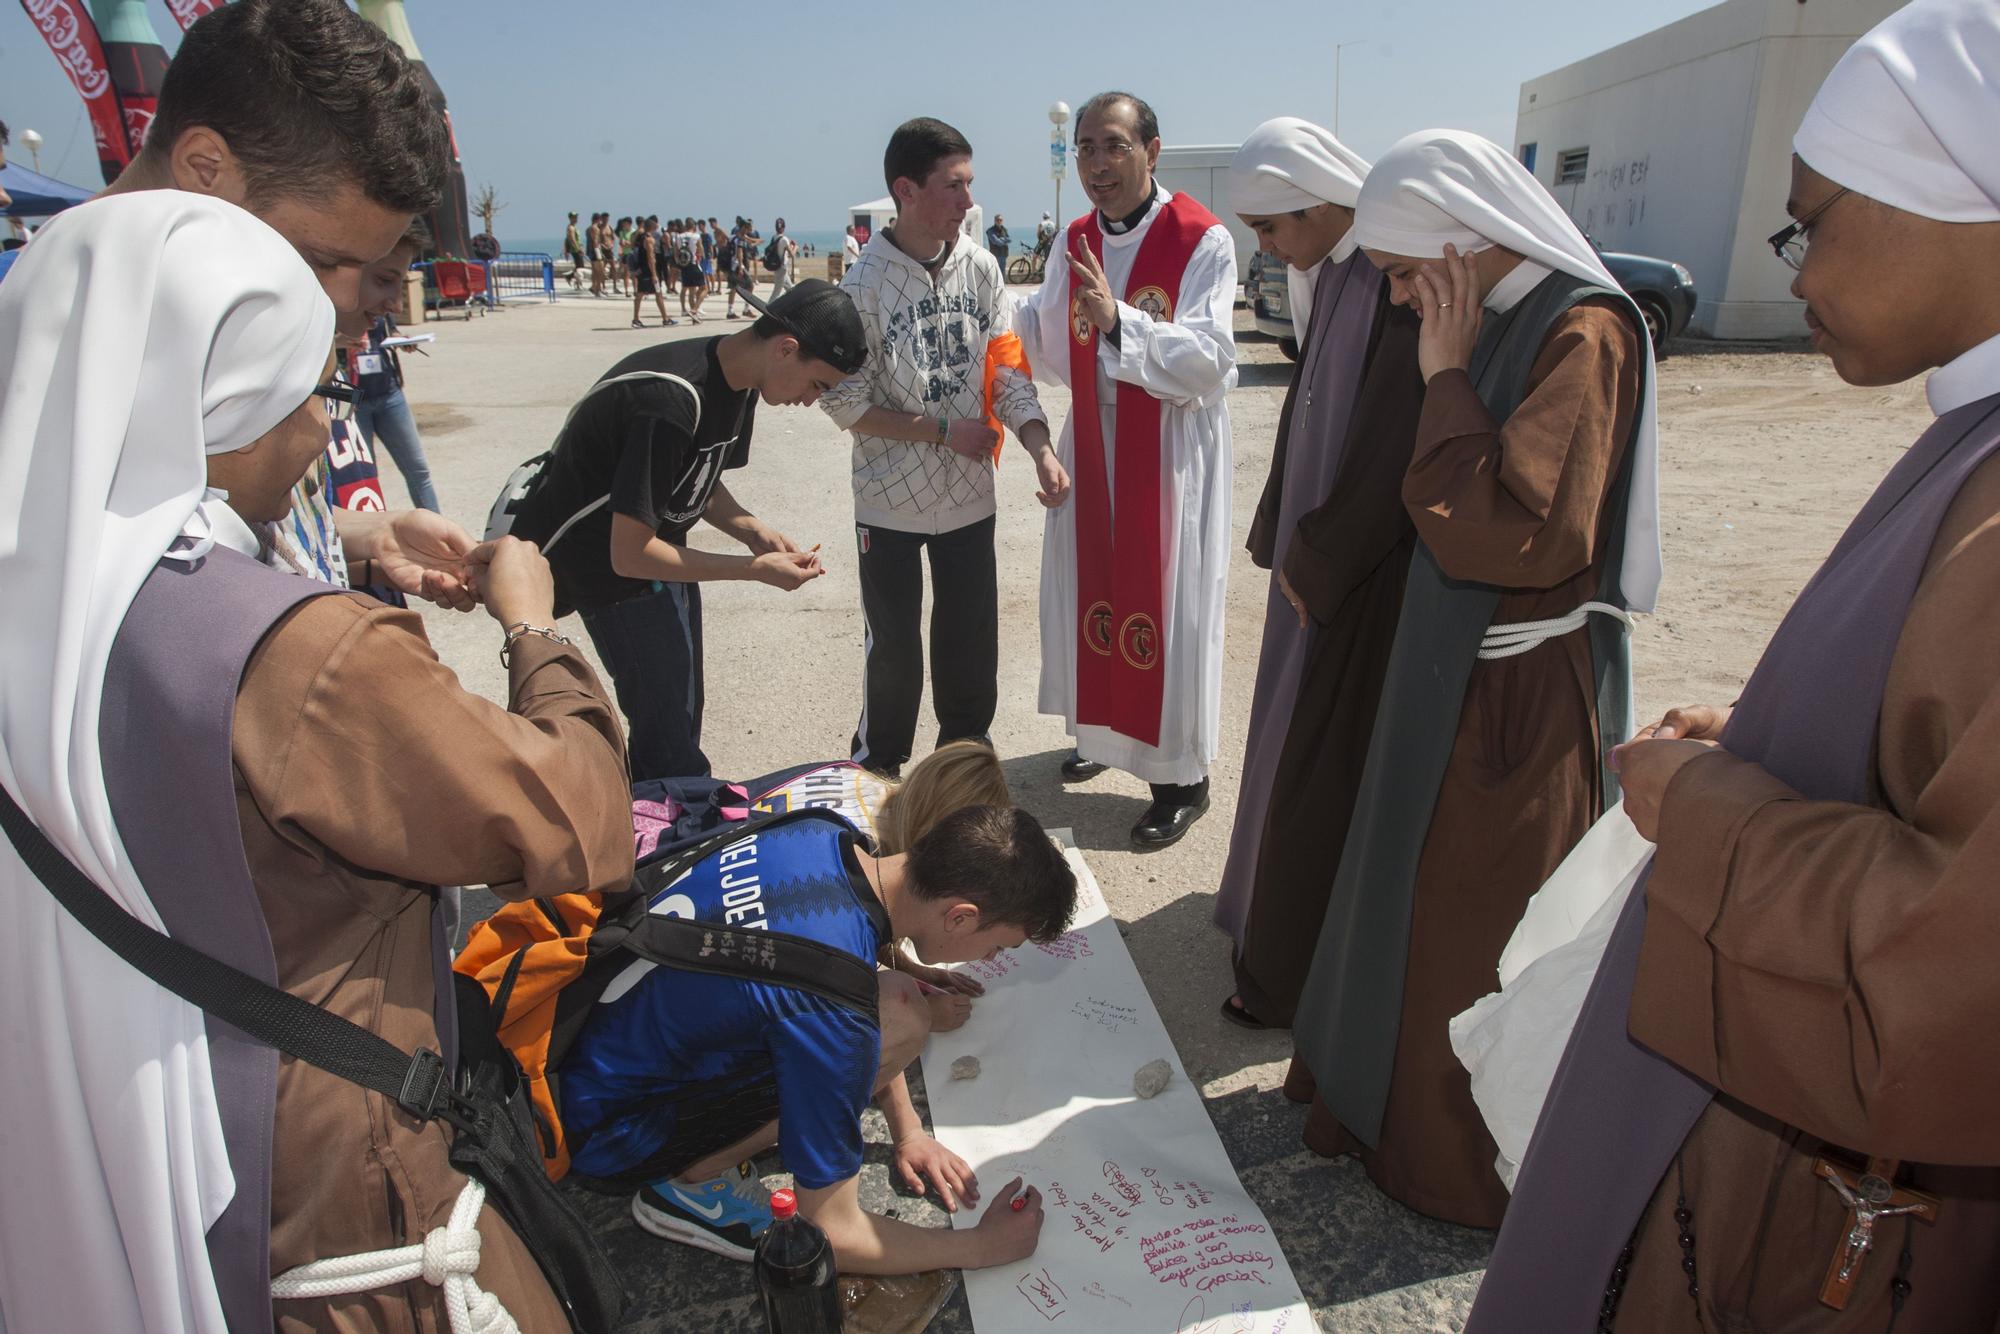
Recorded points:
(1115,149)
(1789,243)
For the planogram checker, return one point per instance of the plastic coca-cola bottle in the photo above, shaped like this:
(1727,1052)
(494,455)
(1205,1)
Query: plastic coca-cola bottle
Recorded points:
(795,1272)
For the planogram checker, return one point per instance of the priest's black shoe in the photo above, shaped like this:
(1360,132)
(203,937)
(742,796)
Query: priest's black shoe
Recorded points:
(1076,768)
(1172,814)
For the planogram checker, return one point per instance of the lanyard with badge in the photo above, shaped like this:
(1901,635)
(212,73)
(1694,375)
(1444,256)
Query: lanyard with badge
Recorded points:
(370,359)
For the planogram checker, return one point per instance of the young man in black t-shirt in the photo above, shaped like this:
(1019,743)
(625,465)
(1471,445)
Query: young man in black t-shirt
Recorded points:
(647,262)
(640,460)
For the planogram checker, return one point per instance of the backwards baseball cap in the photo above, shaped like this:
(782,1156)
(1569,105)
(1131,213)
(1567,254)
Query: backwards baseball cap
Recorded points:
(823,319)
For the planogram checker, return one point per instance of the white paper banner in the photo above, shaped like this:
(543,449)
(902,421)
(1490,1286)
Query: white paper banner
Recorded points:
(1148,1230)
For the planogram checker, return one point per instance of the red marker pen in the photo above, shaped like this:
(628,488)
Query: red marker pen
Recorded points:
(1020,1202)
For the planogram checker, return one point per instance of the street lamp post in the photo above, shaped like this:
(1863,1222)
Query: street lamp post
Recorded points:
(32,141)
(1058,152)
(1337,48)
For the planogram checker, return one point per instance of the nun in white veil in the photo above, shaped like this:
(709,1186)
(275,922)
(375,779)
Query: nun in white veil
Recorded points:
(1290,166)
(157,345)
(1294,185)
(1447,193)
(1330,527)
(1794,1015)
(141,333)
(1533,490)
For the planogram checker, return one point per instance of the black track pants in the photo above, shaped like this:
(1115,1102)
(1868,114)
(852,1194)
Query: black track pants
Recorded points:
(965,638)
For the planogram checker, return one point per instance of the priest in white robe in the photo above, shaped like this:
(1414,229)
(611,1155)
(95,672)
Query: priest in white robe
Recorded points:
(1135,317)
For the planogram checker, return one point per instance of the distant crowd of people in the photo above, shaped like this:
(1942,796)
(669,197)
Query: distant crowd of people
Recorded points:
(692,258)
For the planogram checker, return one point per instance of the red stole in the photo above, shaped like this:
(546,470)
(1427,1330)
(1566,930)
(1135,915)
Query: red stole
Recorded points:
(1121,575)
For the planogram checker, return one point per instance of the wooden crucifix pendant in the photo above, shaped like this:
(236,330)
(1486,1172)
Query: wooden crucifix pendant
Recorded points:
(1870,1194)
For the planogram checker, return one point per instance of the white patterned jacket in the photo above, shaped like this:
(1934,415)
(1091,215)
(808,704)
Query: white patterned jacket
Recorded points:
(927,355)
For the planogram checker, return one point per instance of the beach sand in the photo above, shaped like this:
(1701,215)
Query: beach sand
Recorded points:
(1766,454)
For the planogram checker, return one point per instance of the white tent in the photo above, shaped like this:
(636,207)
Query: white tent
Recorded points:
(873,216)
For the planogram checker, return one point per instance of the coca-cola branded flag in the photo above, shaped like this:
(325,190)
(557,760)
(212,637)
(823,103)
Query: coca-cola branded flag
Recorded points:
(137,62)
(187,11)
(66,26)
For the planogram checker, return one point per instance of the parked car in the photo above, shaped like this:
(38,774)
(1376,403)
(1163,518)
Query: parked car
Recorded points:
(1270,301)
(1662,289)
(1250,276)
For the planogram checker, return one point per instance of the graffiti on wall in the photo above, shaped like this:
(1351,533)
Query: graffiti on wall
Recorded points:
(1613,196)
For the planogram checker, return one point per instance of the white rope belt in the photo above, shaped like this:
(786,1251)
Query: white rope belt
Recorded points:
(1505,641)
(447,1258)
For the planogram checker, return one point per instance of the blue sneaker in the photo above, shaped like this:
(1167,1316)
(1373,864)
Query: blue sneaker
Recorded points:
(725,1214)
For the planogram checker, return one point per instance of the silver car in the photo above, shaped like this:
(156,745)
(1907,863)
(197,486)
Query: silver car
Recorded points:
(1270,301)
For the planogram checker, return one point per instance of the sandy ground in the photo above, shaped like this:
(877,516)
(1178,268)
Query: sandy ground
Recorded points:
(1766,454)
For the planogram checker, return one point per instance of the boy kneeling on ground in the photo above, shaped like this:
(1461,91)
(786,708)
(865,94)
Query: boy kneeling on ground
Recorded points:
(679,1077)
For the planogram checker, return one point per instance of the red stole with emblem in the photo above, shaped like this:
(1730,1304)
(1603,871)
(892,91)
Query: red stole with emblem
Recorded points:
(1121,574)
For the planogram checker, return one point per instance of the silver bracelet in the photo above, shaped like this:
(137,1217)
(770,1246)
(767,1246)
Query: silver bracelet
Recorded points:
(516,631)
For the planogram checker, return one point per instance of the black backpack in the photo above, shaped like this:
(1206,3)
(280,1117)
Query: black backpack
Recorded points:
(771,254)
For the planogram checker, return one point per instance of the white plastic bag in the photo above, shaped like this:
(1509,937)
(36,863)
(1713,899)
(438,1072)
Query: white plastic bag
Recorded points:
(1511,1041)
(1602,865)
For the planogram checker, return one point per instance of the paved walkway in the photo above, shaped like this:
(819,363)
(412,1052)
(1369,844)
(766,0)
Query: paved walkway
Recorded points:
(784,675)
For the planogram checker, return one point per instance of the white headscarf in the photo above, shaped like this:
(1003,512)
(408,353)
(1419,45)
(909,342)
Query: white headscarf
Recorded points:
(1911,114)
(139,333)
(1288,164)
(1447,186)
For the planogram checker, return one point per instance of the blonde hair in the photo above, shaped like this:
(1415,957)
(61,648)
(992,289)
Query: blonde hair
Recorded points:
(950,778)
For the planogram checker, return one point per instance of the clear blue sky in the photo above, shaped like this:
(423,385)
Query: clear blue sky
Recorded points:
(601,105)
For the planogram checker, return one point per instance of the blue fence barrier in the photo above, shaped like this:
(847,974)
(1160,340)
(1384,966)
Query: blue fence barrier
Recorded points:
(520,276)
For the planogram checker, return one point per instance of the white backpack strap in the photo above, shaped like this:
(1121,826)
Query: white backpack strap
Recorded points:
(630,377)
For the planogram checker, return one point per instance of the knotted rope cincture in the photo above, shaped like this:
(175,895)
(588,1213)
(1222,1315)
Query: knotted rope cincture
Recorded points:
(1507,641)
(447,1257)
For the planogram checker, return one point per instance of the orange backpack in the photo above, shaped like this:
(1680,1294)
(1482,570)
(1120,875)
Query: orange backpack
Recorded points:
(543,964)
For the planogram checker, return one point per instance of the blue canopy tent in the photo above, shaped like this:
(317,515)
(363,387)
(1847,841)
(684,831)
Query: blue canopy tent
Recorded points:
(36,195)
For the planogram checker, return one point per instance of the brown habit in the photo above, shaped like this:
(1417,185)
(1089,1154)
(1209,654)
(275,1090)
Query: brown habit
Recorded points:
(1519,505)
(1347,562)
(365,772)
(1867,1014)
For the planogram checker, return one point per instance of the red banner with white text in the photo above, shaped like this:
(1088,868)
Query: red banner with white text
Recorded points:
(67,27)
(187,11)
